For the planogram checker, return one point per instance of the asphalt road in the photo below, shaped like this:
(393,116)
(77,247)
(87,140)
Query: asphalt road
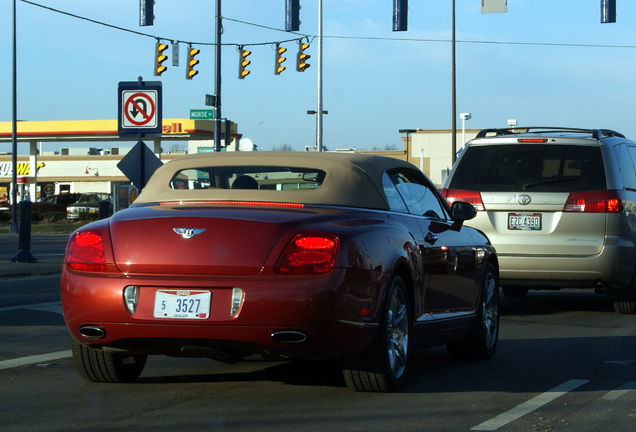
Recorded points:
(565,362)
(47,249)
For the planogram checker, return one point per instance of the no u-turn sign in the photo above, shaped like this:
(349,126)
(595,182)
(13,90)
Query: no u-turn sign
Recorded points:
(139,108)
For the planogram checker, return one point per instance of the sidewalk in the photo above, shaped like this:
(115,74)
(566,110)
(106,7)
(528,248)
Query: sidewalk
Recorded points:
(10,269)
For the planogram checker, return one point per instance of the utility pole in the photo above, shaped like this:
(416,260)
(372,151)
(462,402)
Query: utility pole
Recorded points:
(13,228)
(453,94)
(217,78)
(319,112)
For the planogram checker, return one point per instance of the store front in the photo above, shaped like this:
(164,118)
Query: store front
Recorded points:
(85,169)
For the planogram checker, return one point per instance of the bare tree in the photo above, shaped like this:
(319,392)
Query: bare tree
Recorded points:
(283,147)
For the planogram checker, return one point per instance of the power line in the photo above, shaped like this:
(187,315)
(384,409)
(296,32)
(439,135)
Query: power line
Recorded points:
(159,37)
(303,36)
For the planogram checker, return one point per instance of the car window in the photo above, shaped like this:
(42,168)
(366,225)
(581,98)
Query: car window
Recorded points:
(392,195)
(416,194)
(529,167)
(240,177)
(626,156)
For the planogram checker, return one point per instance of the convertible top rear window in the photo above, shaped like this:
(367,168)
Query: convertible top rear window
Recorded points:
(247,177)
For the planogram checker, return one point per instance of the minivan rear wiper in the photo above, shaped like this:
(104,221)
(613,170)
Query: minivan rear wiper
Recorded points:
(549,181)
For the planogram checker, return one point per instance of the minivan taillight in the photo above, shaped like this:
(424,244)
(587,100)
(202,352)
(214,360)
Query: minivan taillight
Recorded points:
(85,251)
(594,202)
(308,253)
(471,197)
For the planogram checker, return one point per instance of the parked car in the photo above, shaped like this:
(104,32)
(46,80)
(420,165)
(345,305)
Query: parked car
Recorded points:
(559,206)
(52,207)
(341,257)
(88,203)
(62,199)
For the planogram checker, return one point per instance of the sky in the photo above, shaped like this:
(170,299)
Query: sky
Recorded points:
(544,63)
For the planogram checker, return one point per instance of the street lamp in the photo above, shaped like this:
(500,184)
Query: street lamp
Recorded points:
(407,144)
(464,117)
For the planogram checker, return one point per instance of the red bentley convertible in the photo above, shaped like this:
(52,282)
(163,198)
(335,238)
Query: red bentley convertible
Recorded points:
(343,257)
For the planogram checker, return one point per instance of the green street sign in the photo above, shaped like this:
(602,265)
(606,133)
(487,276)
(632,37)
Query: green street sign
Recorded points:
(202,114)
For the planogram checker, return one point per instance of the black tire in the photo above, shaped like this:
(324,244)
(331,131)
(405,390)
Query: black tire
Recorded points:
(625,299)
(384,366)
(515,291)
(481,342)
(99,366)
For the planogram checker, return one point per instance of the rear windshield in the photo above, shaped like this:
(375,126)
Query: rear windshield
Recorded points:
(528,167)
(247,177)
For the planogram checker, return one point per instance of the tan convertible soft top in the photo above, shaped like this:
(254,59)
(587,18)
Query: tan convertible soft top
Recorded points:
(351,179)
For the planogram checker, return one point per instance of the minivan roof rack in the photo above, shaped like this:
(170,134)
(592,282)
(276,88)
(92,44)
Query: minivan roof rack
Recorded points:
(596,133)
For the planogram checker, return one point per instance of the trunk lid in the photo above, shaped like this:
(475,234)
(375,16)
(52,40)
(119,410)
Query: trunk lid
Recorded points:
(201,240)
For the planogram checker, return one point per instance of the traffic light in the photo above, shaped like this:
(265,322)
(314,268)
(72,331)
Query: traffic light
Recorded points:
(400,15)
(608,11)
(160,57)
(301,62)
(279,60)
(192,62)
(243,63)
(146,12)
(292,15)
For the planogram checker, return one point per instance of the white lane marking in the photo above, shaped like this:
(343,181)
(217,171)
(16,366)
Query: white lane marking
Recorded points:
(24,361)
(619,391)
(55,307)
(529,406)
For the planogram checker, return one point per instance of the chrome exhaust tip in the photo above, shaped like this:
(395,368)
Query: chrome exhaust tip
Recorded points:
(288,337)
(92,332)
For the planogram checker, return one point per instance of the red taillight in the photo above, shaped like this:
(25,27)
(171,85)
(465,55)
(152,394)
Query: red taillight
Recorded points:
(234,203)
(471,197)
(532,140)
(85,251)
(308,253)
(594,202)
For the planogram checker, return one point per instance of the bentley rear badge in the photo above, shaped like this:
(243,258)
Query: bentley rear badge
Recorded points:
(188,232)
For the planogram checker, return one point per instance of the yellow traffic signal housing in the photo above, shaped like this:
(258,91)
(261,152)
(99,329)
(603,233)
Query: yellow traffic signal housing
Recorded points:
(279,60)
(301,61)
(192,62)
(243,63)
(160,57)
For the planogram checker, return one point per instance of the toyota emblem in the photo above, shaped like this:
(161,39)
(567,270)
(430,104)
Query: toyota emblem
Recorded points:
(524,199)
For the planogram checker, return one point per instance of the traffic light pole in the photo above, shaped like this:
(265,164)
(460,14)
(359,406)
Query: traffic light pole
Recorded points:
(217,79)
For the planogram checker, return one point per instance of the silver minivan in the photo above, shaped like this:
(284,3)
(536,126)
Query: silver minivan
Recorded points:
(559,206)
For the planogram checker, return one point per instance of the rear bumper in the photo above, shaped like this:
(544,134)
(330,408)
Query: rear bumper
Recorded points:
(316,316)
(614,267)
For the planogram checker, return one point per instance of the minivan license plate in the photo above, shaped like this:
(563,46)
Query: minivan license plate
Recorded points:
(524,221)
(182,303)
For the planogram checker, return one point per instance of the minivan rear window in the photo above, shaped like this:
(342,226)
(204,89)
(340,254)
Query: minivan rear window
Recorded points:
(528,167)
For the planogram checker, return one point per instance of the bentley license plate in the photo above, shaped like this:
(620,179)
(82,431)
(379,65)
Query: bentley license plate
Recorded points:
(524,221)
(182,303)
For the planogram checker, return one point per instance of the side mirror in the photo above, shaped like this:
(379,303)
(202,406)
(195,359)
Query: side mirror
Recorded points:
(462,211)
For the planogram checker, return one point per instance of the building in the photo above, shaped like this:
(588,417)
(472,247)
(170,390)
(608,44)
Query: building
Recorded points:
(94,168)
